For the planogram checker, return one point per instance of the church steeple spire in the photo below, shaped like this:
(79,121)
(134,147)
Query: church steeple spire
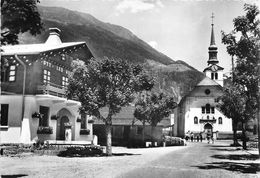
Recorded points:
(213,49)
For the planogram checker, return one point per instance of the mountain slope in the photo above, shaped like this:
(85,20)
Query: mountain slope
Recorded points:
(114,41)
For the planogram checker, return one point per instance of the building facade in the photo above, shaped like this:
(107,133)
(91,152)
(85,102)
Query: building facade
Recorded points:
(127,131)
(33,92)
(197,112)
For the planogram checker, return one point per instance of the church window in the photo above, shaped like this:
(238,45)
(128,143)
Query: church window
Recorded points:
(195,120)
(207,91)
(207,108)
(203,110)
(212,110)
(216,76)
(212,76)
(220,120)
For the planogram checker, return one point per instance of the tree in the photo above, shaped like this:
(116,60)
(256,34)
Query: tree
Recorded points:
(19,16)
(243,43)
(106,83)
(153,108)
(232,105)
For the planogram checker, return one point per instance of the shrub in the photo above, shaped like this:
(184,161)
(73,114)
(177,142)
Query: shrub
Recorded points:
(81,151)
(173,141)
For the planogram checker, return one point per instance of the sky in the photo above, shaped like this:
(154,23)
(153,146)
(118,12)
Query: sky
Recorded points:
(179,29)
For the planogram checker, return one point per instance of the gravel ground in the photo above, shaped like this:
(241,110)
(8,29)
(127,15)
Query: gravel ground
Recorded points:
(103,167)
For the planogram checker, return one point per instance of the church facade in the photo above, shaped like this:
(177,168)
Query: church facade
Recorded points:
(197,112)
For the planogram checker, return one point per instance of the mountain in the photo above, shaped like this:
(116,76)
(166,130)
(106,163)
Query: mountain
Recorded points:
(105,39)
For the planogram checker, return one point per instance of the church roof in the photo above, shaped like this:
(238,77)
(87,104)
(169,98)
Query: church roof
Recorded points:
(207,82)
(211,69)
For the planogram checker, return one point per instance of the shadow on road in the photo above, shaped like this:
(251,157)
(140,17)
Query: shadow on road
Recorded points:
(236,157)
(13,176)
(252,168)
(124,154)
(226,149)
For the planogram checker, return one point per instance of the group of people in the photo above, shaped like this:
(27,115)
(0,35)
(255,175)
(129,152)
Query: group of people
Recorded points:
(199,137)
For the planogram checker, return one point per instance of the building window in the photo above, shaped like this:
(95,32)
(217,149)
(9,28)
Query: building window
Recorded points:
(203,110)
(195,120)
(46,76)
(65,81)
(220,120)
(216,76)
(43,121)
(4,114)
(212,76)
(139,130)
(8,74)
(12,73)
(212,110)
(207,108)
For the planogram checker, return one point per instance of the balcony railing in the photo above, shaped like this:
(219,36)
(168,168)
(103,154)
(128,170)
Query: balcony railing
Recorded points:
(208,120)
(52,89)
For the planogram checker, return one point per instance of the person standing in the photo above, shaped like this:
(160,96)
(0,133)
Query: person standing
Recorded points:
(191,136)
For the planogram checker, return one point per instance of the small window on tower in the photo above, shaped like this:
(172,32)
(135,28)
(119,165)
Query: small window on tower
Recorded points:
(216,76)
(212,76)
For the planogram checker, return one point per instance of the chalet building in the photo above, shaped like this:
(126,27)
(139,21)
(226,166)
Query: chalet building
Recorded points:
(128,132)
(197,112)
(33,85)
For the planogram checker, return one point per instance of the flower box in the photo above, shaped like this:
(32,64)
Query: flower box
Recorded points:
(84,132)
(78,119)
(54,117)
(44,130)
(36,115)
(91,121)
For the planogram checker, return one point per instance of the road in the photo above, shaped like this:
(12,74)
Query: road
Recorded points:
(193,160)
(201,160)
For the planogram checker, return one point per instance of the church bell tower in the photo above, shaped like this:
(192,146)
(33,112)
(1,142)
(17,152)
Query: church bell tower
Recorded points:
(214,71)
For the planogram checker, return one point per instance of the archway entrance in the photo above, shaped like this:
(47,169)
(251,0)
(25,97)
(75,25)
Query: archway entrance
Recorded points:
(63,120)
(64,117)
(208,129)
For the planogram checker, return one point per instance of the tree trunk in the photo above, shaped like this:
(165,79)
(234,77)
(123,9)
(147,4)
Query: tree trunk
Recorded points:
(258,113)
(143,132)
(109,139)
(244,135)
(234,125)
(152,134)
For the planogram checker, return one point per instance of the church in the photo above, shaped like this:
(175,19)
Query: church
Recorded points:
(197,112)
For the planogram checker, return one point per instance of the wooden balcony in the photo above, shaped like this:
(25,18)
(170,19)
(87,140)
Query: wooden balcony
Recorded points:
(208,121)
(52,89)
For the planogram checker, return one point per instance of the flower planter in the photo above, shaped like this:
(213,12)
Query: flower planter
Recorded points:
(45,130)
(84,132)
(54,117)
(36,115)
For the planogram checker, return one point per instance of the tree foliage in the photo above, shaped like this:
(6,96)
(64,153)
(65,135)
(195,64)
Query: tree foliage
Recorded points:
(19,16)
(106,83)
(240,100)
(152,108)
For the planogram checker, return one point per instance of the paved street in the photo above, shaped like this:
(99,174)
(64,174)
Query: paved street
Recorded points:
(201,160)
(193,160)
